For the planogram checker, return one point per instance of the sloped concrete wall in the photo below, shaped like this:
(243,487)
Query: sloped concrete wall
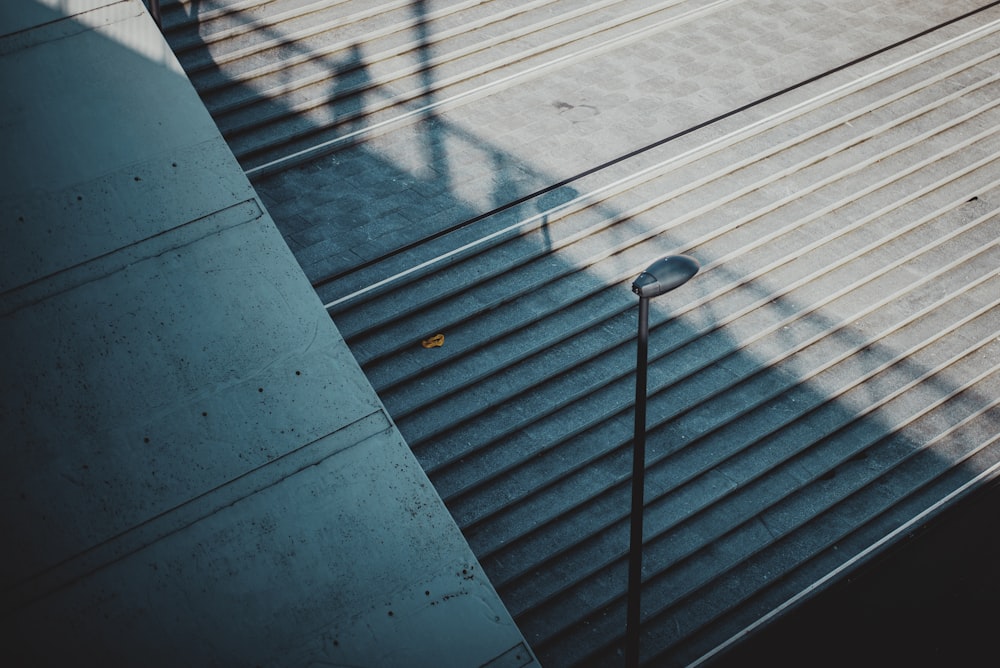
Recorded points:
(195,470)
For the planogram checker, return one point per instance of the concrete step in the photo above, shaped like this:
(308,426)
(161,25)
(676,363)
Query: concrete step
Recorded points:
(498,384)
(546,224)
(440,313)
(589,403)
(473,504)
(700,605)
(826,377)
(299,80)
(529,446)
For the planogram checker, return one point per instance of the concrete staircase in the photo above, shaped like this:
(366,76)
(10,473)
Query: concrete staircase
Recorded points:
(828,379)
(287,80)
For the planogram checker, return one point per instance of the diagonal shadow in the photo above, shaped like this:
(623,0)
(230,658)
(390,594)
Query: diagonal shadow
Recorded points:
(753,442)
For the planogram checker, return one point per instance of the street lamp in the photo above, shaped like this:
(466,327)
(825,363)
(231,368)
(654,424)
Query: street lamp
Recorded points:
(662,276)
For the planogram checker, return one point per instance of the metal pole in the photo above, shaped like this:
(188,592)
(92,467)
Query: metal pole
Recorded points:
(638,484)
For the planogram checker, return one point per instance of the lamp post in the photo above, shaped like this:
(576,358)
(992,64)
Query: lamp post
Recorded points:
(662,276)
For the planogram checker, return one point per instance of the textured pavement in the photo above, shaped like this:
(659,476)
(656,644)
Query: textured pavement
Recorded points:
(540,129)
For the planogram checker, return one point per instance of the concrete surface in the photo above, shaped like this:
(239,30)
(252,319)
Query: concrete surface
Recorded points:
(196,471)
(780,457)
(558,118)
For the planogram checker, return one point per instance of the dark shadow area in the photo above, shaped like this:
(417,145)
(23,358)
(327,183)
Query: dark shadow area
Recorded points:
(929,601)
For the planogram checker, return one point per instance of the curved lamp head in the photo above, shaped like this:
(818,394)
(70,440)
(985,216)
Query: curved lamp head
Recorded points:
(664,275)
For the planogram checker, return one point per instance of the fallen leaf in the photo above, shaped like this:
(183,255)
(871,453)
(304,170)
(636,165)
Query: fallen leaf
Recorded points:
(435,341)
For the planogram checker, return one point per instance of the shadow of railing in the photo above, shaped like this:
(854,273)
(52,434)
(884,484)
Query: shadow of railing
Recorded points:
(756,440)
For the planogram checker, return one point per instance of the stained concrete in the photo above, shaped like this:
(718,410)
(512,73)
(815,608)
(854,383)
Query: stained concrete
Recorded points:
(196,471)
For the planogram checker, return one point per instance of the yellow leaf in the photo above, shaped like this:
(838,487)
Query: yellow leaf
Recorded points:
(435,341)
